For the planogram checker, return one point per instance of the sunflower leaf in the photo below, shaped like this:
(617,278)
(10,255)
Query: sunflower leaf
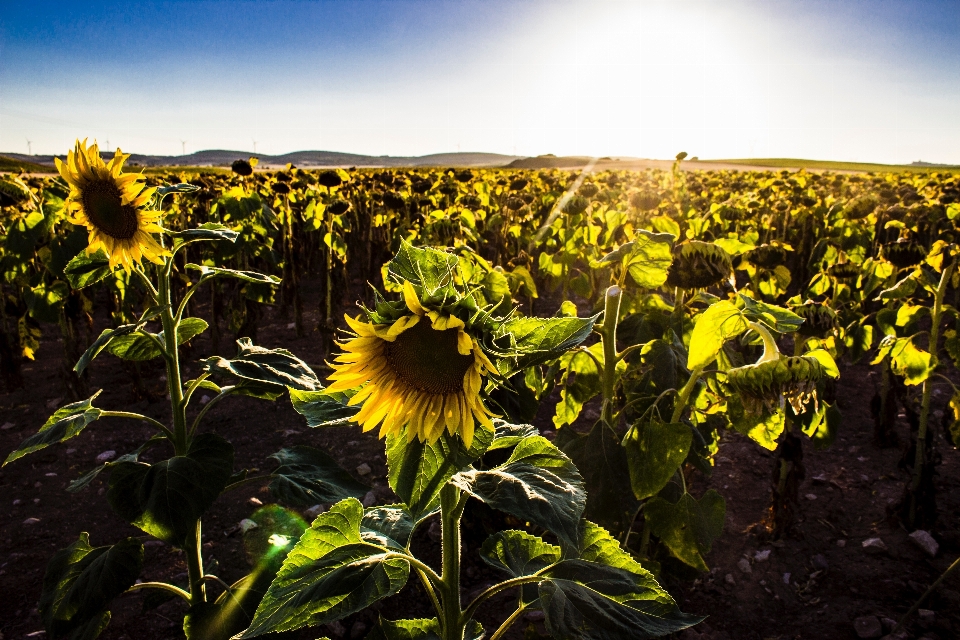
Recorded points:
(330,573)
(308,476)
(80,581)
(720,322)
(533,341)
(206,231)
(248,276)
(429,269)
(418,629)
(518,553)
(85,269)
(66,422)
(418,470)
(689,527)
(654,453)
(538,483)
(268,366)
(139,347)
(100,344)
(323,408)
(166,499)
(389,526)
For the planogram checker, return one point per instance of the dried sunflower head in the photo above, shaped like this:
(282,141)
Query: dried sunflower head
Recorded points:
(903,253)
(697,265)
(818,319)
(766,385)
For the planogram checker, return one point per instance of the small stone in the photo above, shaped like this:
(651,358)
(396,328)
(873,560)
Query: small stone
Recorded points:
(357,630)
(52,474)
(874,545)
(31,521)
(729,579)
(819,562)
(810,496)
(534,616)
(927,616)
(36,634)
(36,501)
(841,543)
(106,456)
(786,578)
(153,543)
(37,485)
(744,565)
(364,469)
(925,541)
(471,572)
(762,556)
(204,399)
(868,627)
(17,502)
(71,451)
(370,499)
(53,403)
(315,510)
(293,325)
(888,624)
(7,425)
(247,524)
(255,502)
(336,629)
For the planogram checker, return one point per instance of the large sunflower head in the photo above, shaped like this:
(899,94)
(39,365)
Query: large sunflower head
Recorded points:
(110,204)
(420,371)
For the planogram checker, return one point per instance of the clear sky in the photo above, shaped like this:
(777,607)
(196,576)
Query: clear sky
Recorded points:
(866,80)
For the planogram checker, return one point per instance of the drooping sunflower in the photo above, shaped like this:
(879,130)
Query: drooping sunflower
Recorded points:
(110,204)
(423,372)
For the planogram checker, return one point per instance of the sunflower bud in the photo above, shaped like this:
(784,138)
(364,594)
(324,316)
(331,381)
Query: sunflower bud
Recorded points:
(818,319)
(697,265)
(766,256)
(903,253)
(766,385)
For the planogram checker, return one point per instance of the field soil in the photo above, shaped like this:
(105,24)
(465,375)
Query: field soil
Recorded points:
(811,585)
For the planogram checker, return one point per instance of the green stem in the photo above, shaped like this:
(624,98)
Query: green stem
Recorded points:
(685,395)
(920,459)
(608,336)
(450,511)
(770,349)
(163,586)
(508,623)
(136,416)
(497,588)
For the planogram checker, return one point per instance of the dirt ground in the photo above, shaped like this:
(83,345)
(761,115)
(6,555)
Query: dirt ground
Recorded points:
(813,585)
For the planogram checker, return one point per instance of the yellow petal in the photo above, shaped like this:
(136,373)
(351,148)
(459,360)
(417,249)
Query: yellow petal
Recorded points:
(410,297)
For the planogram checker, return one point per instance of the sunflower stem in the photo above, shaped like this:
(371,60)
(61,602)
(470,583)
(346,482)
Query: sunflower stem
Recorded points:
(608,337)
(180,436)
(451,509)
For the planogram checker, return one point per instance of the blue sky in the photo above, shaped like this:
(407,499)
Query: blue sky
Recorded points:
(867,80)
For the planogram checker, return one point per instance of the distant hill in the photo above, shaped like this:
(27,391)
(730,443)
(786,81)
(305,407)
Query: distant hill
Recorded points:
(303,159)
(12,164)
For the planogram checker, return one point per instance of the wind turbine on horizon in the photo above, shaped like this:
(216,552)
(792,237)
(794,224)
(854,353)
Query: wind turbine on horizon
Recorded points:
(254,147)
(29,149)
(183,147)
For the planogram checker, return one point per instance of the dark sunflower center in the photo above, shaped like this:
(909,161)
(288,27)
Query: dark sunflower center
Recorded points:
(428,360)
(104,208)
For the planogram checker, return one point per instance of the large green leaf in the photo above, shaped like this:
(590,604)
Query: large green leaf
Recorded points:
(83,481)
(720,322)
(655,451)
(507,435)
(322,408)
(166,499)
(537,340)
(308,476)
(388,526)
(418,629)
(538,483)
(267,366)
(139,347)
(585,384)
(44,301)
(85,270)
(906,360)
(603,463)
(777,318)
(689,527)
(417,470)
(80,581)
(65,423)
(100,344)
(518,553)
(247,276)
(329,574)
(426,268)
(575,610)
(647,258)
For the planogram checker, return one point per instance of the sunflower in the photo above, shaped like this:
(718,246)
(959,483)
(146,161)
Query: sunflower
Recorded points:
(423,372)
(109,203)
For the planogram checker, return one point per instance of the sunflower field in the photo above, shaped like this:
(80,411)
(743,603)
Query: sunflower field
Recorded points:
(553,368)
